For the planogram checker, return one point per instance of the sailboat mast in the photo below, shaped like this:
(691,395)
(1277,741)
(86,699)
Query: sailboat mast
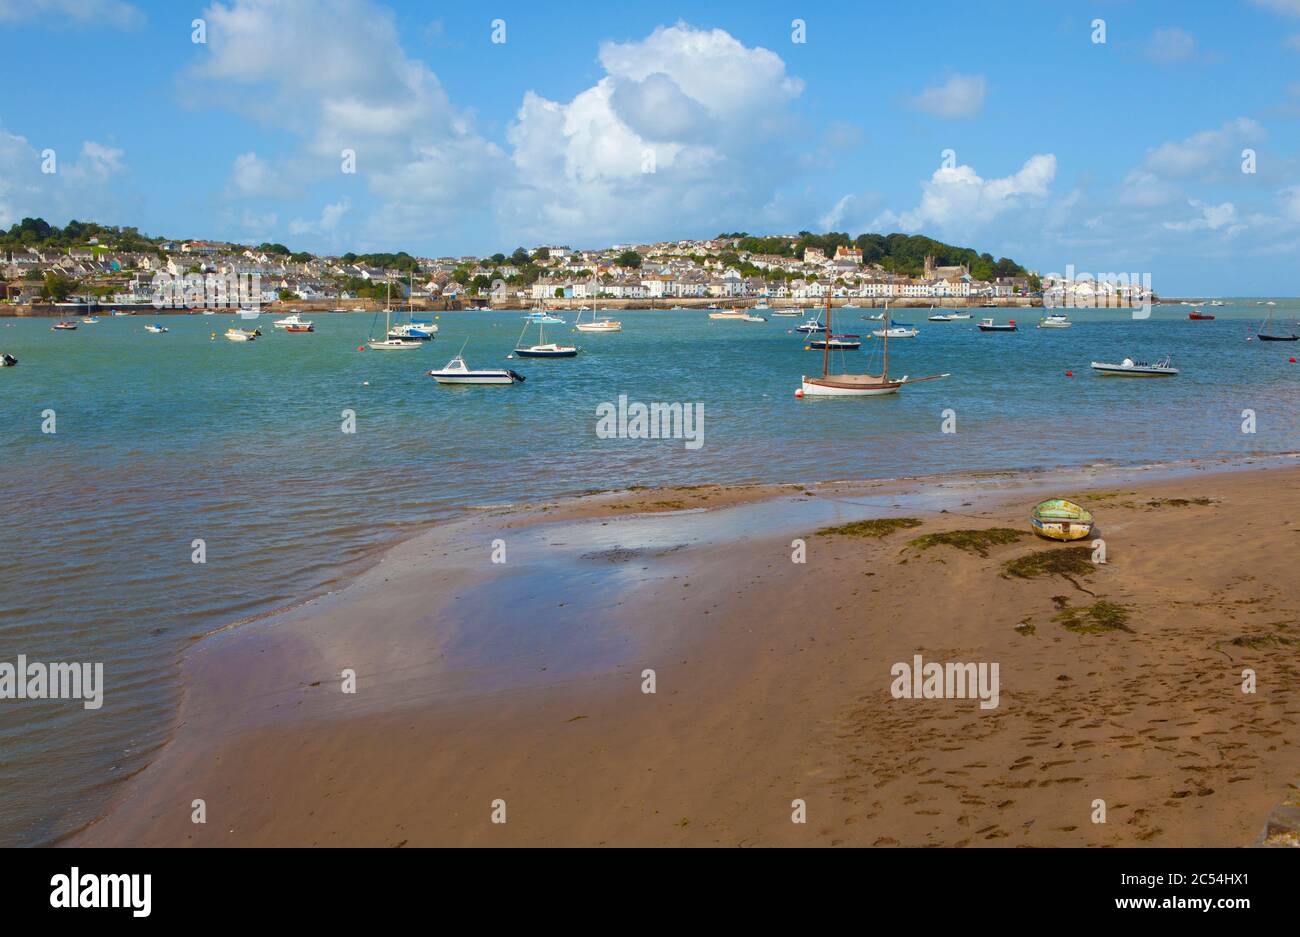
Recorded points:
(826,336)
(885,375)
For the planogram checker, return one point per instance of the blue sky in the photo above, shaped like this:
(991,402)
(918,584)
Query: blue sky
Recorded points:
(1122,155)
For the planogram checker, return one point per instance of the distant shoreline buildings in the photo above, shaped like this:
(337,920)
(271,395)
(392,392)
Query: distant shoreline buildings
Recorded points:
(713,269)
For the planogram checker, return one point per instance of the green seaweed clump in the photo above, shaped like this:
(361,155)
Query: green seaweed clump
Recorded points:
(877,527)
(972,541)
(1066,561)
(1097,618)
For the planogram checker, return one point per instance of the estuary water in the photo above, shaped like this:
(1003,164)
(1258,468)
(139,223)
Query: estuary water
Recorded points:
(162,440)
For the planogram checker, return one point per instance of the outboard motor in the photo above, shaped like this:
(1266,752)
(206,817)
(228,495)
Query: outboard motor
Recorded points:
(7,361)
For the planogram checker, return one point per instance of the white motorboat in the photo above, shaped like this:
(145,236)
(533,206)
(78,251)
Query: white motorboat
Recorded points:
(810,325)
(1163,367)
(787,313)
(7,361)
(458,372)
(735,314)
(156,329)
(292,321)
(1055,320)
(752,318)
(240,335)
(90,320)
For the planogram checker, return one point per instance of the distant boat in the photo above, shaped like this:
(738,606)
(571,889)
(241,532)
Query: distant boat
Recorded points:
(1217,302)
(1267,333)
(835,343)
(458,372)
(810,325)
(240,335)
(787,313)
(544,316)
(1058,519)
(292,320)
(122,313)
(988,325)
(90,320)
(735,314)
(1199,316)
(897,331)
(750,318)
(855,385)
(156,329)
(388,342)
(7,361)
(603,324)
(1055,320)
(1129,368)
(543,348)
(64,327)
(941,317)
(305,327)
(878,317)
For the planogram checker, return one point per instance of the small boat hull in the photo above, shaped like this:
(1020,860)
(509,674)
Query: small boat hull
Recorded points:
(849,385)
(504,376)
(8,361)
(1058,519)
(1279,338)
(546,352)
(1104,369)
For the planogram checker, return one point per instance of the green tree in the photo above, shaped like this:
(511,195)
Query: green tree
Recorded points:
(629,259)
(57,287)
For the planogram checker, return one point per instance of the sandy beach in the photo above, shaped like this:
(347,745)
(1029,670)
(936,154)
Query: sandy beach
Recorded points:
(485,687)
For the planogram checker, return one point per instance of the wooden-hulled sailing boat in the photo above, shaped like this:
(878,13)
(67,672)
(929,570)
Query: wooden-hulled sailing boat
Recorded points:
(857,385)
(1267,332)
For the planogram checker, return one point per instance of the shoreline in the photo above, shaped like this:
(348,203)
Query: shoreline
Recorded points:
(442,673)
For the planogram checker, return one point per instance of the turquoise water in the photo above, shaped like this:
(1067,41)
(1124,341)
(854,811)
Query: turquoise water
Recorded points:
(162,439)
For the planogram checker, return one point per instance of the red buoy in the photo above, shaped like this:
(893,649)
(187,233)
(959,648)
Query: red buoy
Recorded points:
(1069,374)
(1293,359)
(798,394)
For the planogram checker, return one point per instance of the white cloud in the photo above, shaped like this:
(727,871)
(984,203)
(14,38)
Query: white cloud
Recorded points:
(686,127)
(328,223)
(960,96)
(253,177)
(1211,218)
(77,12)
(1289,203)
(1206,152)
(334,73)
(959,201)
(1285,7)
(75,190)
(1172,44)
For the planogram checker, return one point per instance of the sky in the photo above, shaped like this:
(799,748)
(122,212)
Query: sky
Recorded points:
(1107,136)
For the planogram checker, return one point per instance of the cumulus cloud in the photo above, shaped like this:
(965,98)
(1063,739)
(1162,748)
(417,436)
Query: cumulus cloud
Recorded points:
(75,189)
(670,136)
(327,225)
(957,200)
(960,96)
(77,12)
(252,177)
(334,73)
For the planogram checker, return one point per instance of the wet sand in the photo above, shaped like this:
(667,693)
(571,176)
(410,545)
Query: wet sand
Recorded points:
(522,681)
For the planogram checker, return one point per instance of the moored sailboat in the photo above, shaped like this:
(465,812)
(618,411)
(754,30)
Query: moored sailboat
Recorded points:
(856,385)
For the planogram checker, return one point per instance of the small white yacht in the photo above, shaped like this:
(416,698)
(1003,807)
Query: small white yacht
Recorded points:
(1055,320)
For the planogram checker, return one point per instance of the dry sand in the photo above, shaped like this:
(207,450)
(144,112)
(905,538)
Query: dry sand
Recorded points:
(522,682)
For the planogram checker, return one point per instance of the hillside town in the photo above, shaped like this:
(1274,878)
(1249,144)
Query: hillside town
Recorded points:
(685,271)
